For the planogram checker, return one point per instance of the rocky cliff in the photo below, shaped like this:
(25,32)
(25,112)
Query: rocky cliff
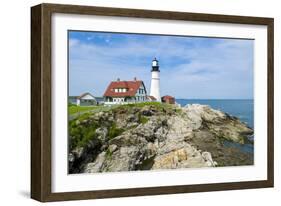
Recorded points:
(156,136)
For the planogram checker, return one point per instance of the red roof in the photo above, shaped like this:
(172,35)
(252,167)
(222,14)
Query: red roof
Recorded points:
(168,97)
(131,86)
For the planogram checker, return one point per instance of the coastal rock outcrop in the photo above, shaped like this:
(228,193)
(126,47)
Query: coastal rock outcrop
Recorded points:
(156,136)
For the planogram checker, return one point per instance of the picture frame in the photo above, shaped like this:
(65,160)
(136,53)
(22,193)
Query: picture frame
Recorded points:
(41,101)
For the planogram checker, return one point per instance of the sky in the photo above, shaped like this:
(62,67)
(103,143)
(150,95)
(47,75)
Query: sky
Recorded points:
(190,67)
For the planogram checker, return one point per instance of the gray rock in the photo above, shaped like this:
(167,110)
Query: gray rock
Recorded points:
(123,159)
(147,111)
(112,148)
(102,133)
(132,118)
(168,140)
(95,166)
(78,152)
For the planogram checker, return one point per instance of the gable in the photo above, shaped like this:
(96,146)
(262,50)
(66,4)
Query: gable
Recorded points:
(88,97)
(123,88)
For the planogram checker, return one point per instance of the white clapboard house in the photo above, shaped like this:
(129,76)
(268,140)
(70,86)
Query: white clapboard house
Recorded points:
(124,92)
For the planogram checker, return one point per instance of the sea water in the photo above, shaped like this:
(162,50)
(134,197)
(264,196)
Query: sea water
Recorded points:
(240,108)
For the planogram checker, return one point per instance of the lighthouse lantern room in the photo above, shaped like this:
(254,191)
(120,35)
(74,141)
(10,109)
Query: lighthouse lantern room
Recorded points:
(155,80)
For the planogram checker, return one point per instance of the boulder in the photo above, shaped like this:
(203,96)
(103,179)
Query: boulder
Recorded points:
(169,138)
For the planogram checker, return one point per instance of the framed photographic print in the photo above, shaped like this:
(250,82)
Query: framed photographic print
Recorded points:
(130,102)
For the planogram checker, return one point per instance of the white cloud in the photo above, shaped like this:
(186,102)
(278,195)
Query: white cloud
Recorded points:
(220,70)
(73,42)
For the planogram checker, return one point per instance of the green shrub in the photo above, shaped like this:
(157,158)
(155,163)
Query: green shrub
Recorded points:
(143,119)
(81,134)
(114,131)
(108,154)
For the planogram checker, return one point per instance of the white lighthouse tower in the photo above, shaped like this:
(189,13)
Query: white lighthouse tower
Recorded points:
(155,80)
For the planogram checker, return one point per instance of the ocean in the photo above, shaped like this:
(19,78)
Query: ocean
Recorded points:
(241,108)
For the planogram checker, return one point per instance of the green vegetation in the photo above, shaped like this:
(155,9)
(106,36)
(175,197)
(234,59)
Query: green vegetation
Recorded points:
(108,154)
(72,109)
(81,134)
(82,128)
(114,131)
(155,105)
(141,104)
(143,119)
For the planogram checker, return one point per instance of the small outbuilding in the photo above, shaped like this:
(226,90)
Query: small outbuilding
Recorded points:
(168,99)
(86,99)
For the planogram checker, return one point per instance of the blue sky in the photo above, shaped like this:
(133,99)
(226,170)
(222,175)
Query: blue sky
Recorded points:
(190,67)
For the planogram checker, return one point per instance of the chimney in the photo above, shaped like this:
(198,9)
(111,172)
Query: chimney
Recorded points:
(135,78)
(118,79)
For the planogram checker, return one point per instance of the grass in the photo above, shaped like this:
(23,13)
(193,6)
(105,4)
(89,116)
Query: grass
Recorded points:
(81,134)
(108,154)
(72,109)
(85,131)
(143,119)
(142,104)
(114,131)
(156,105)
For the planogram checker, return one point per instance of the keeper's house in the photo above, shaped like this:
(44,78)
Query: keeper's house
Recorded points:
(125,92)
